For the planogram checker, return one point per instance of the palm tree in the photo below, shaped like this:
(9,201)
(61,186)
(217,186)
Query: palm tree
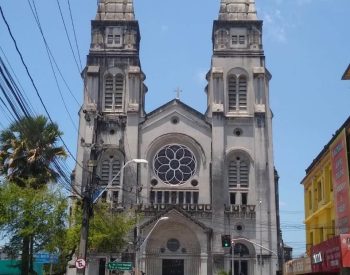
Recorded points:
(28,149)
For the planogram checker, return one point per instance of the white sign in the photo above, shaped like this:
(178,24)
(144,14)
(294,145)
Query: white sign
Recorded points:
(317,258)
(80,263)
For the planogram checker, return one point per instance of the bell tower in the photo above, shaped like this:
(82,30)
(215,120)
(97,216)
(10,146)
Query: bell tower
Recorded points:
(239,111)
(114,95)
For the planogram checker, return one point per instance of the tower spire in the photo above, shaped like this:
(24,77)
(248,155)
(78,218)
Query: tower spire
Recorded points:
(237,10)
(115,10)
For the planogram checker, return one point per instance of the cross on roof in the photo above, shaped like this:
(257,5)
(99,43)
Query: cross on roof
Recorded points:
(178,91)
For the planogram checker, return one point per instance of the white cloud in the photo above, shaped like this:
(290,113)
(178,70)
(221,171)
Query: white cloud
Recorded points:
(275,26)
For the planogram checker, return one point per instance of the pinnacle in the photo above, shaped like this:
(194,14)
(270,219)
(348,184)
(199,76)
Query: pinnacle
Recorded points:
(237,10)
(115,10)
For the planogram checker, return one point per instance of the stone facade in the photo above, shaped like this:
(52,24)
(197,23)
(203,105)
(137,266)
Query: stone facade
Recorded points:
(210,174)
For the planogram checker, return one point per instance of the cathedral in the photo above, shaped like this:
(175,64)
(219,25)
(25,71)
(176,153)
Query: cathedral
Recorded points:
(205,179)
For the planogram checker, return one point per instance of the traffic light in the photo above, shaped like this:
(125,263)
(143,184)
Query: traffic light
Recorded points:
(226,240)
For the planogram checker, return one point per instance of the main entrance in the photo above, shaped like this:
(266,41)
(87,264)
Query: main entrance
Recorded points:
(172,267)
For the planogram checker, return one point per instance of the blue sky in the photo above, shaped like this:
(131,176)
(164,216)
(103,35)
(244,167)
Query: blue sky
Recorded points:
(306,44)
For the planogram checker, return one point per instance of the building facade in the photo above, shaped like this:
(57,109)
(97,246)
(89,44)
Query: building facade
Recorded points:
(208,175)
(327,206)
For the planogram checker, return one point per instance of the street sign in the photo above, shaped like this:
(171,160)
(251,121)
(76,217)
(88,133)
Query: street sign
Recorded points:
(46,258)
(121,266)
(80,263)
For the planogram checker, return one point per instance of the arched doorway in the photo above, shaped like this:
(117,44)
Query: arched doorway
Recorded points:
(173,249)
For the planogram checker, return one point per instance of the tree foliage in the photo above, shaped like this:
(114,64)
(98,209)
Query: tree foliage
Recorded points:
(28,148)
(108,229)
(28,153)
(25,212)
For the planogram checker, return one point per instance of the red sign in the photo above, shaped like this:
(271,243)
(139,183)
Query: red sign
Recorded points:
(80,263)
(345,249)
(331,255)
(341,189)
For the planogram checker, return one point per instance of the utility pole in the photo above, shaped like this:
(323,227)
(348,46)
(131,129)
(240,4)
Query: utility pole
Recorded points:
(87,209)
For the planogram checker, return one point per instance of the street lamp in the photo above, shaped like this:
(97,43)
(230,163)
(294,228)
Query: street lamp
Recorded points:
(149,234)
(109,184)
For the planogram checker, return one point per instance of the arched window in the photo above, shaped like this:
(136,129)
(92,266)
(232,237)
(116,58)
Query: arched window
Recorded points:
(242,257)
(238,172)
(114,91)
(109,168)
(237,93)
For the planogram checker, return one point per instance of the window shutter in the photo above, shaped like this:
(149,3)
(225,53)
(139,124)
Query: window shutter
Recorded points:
(242,96)
(232,94)
(243,174)
(115,171)
(108,93)
(232,173)
(119,88)
(105,171)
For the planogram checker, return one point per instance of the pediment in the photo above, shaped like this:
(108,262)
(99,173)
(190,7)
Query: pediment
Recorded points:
(173,110)
(176,211)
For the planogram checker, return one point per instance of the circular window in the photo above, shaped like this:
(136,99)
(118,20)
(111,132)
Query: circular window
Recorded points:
(174,164)
(174,120)
(154,182)
(173,245)
(194,183)
(239,228)
(237,132)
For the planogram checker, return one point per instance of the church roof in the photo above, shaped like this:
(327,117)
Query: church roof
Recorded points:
(115,10)
(181,104)
(231,10)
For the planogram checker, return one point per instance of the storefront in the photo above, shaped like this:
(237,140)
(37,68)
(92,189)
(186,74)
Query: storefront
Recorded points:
(331,256)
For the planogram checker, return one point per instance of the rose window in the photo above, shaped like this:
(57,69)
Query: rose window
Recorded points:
(174,164)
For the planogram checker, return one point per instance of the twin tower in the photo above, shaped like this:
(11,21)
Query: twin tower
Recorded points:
(209,176)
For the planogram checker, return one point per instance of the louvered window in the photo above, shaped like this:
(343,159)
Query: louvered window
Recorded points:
(114,90)
(232,94)
(119,84)
(238,172)
(242,94)
(237,93)
(109,169)
(109,92)
(115,168)
(105,171)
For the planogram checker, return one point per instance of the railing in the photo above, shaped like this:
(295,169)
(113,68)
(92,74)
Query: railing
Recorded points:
(241,211)
(193,209)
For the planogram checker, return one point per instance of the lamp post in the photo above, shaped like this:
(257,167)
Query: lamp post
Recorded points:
(88,203)
(149,234)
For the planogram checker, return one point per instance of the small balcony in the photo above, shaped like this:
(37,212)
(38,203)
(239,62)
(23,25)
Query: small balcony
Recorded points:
(241,211)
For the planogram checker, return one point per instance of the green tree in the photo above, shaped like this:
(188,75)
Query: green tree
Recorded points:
(109,229)
(38,214)
(28,149)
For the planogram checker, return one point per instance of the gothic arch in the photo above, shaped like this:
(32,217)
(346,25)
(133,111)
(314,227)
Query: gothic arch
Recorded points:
(238,71)
(239,150)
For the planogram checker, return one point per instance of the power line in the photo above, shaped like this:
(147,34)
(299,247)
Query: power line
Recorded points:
(75,35)
(67,35)
(33,83)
